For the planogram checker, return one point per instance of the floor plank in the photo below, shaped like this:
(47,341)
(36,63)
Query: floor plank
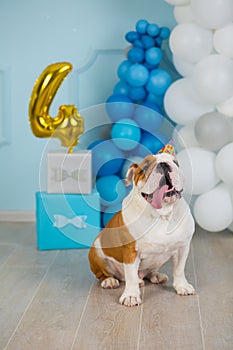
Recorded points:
(51,320)
(213,257)
(51,300)
(106,324)
(18,233)
(17,289)
(5,251)
(170,321)
(26,256)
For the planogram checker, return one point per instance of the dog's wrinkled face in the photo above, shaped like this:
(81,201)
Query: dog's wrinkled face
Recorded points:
(158,179)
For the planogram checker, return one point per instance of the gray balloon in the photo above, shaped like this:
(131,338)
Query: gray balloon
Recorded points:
(213,130)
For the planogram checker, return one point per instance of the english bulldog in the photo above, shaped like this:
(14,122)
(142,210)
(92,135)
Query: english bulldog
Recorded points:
(154,225)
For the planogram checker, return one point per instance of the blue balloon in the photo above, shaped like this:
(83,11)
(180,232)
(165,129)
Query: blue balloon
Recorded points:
(141,26)
(153,142)
(106,217)
(141,151)
(138,43)
(131,160)
(111,189)
(126,134)
(123,69)
(132,36)
(153,56)
(148,117)
(118,107)
(162,138)
(158,82)
(157,100)
(137,93)
(109,212)
(136,55)
(153,29)
(150,66)
(164,33)
(94,144)
(121,88)
(147,41)
(107,159)
(112,208)
(137,75)
(158,42)
(152,106)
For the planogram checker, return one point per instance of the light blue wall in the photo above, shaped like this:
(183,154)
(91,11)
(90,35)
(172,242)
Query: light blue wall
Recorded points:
(34,34)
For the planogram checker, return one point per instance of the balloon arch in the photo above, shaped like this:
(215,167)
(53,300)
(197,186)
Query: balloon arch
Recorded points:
(201,103)
(136,113)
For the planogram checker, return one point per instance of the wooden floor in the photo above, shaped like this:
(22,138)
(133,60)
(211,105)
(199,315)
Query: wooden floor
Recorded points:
(51,301)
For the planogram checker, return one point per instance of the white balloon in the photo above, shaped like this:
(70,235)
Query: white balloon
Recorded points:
(184,137)
(213,78)
(183,14)
(213,210)
(230,227)
(178,2)
(190,42)
(198,166)
(223,40)
(224,163)
(226,107)
(183,104)
(212,13)
(183,67)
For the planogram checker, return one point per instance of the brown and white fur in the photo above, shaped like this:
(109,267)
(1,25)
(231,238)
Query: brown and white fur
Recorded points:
(154,225)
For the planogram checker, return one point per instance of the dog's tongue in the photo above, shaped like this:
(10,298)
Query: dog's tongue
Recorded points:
(158,197)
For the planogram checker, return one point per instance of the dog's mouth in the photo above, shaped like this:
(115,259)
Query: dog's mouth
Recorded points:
(165,192)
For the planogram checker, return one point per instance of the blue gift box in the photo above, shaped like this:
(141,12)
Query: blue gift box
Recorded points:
(67,220)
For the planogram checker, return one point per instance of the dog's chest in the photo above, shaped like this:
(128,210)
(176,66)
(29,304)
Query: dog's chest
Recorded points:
(155,248)
(158,237)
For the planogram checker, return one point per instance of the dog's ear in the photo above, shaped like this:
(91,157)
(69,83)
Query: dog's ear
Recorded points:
(130,174)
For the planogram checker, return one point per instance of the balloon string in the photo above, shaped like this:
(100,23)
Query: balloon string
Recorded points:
(70,150)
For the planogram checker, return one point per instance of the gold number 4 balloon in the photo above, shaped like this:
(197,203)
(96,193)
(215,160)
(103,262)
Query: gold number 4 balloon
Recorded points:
(68,125)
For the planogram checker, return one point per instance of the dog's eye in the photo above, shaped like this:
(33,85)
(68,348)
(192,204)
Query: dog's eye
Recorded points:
(176,162)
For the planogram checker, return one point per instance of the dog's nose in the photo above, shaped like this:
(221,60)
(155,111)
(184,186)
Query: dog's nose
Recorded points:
(163,167)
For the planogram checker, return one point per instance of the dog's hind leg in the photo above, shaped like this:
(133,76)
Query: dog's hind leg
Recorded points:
(157,277)
(110,283)
(98,265)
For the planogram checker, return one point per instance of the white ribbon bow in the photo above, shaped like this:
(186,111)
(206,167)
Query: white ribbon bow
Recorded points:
(77,221)
(60,174)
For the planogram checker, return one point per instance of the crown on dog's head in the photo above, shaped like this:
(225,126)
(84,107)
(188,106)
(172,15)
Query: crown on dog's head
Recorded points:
(168,148)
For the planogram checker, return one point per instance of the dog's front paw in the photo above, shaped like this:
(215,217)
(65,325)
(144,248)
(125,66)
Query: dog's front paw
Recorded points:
(130,300)
(185,289)
(141,283)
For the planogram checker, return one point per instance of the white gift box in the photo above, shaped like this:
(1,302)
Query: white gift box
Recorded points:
(69,172)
